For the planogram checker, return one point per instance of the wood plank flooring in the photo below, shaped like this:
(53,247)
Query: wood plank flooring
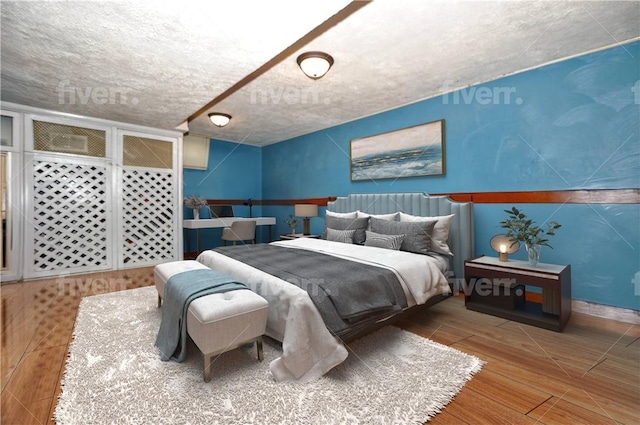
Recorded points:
(589,374)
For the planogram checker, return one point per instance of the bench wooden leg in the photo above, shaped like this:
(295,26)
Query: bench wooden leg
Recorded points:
(207,368)
(260,352)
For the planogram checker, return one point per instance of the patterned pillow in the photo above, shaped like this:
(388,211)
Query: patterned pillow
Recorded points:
(339,223)
(440,238)
(417,235)
(344,236)
(383,241)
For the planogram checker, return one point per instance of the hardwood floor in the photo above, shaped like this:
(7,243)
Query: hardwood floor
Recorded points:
(37,325)
(589,374)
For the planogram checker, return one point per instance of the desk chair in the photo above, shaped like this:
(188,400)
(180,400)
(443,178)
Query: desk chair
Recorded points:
(243,230)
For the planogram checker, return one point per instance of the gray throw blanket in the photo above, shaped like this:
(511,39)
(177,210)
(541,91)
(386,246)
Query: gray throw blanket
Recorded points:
(180,290)
(348,294)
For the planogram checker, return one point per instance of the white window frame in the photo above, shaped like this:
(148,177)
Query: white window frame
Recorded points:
(15,199)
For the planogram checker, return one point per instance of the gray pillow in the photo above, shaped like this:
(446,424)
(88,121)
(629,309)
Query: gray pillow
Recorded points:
(417,235)
(440,235)
(340,223)
(391,217)
(344,236)
(384,241)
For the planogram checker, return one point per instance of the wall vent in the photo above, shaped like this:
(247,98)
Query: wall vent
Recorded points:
(69,143)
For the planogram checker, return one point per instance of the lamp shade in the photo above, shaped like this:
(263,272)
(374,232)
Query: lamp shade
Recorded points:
(219,119)
(315,64)
(306,210)
(499,241)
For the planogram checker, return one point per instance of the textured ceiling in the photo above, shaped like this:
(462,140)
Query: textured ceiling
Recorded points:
(158,63)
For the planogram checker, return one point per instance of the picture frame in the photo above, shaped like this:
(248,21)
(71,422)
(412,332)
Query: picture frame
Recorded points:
(415,151)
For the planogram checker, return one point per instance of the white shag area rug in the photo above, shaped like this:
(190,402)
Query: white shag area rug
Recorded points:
(114,375)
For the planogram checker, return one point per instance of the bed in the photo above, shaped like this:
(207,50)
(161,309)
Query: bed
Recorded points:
(311,345)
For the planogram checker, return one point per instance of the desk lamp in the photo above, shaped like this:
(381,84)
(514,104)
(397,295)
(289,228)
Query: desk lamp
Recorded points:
(306,211)
(504,246)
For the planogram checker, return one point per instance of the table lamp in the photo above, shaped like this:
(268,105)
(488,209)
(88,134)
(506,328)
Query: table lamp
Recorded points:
(504,246)
(306,211)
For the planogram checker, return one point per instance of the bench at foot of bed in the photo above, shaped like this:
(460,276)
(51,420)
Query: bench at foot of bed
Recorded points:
(218,322)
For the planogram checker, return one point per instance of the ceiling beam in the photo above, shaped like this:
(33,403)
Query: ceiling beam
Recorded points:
(343,14)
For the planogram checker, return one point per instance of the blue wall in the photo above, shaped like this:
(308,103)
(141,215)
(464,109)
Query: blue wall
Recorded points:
(570,125)
(235,172)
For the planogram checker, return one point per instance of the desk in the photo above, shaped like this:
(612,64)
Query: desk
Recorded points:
(292,236)
(211,223)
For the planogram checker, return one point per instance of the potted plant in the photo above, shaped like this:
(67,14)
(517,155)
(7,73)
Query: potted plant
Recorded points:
(195,203)
(292,222)
(523,229)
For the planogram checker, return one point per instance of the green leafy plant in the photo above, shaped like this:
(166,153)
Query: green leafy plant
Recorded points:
(291,221)
(523,229)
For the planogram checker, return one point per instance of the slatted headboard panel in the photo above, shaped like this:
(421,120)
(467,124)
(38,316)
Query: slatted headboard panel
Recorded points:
(460,235)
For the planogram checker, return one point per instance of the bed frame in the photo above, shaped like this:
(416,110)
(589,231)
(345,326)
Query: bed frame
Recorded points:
(460,234)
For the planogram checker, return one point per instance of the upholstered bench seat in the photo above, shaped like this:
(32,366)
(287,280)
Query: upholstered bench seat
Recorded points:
(218,322)
(162,273)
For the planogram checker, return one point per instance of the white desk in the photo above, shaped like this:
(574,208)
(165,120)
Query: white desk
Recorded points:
(208,223)
(211,223)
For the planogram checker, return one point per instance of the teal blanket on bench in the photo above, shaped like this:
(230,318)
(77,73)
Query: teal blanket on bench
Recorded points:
(180,290)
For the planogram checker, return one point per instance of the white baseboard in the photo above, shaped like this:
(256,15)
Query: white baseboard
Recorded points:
(608,312)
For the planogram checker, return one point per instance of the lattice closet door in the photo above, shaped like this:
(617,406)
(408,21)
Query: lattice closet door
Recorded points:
(68,216)
(147,220)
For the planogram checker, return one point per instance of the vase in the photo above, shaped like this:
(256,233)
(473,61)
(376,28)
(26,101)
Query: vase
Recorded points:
(196,213)
(533,253)
(293,231)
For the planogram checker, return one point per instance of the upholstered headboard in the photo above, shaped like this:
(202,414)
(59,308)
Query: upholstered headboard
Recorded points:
(460,235)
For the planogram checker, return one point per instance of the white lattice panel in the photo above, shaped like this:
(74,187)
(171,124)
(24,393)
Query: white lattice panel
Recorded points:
(70,218)
(148,210)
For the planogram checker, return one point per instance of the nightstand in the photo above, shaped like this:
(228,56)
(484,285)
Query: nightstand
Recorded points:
(497,287)
(289,236)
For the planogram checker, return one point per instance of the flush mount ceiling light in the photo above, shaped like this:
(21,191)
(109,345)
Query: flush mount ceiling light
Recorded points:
(219,119)
(315,64)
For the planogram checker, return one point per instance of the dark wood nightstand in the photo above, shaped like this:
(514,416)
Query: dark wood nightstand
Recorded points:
(289,236)
(497,287)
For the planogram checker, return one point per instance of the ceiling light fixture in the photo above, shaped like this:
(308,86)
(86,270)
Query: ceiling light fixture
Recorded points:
(315,64)
(219,119)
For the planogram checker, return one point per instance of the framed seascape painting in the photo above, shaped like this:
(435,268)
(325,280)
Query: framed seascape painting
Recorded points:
(409,152)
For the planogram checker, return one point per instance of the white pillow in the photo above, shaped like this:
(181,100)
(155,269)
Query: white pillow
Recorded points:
(389,217)
(352,214)
(344,236)
(440,232)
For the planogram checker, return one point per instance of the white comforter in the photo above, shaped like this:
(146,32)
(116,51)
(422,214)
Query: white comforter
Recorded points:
(308,348)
